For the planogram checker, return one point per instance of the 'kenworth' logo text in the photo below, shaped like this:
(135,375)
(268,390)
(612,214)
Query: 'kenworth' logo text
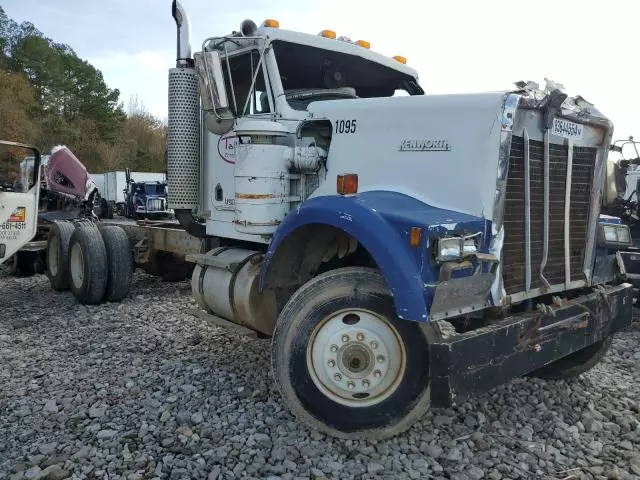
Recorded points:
(425,146)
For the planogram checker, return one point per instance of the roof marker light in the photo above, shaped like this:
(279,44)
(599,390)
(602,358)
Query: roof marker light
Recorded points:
(271,23)
(328,34)
(363,44)
(401,59)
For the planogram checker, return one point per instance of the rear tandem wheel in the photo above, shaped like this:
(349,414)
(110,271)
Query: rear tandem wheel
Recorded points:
(87,265)
(119,262)
(58,254)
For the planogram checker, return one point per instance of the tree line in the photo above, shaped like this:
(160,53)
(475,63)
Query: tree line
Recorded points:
(49,96)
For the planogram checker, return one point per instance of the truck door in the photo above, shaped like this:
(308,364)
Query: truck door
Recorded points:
(18,202)
(246,98)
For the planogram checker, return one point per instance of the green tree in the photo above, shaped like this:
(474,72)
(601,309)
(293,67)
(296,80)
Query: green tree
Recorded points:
(70,103)
(143,139)
(17,103)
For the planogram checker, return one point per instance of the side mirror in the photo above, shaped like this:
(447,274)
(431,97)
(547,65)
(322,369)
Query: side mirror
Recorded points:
(218,117)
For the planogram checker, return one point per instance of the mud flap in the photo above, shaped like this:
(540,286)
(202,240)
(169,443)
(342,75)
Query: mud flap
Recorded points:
(473,362)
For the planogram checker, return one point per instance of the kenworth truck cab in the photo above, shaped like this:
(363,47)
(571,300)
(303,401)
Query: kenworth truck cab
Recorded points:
(401,249)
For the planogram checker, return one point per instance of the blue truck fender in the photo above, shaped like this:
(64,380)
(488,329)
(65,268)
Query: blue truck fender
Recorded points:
(375,233)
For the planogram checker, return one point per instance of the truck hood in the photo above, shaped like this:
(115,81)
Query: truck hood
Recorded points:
(440,149)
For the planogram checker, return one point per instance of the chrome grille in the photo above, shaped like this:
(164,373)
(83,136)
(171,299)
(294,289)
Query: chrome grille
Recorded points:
(154,205)
(514,265)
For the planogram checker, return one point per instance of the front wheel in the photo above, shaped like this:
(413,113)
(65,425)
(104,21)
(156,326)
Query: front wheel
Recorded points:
(344,364)
(575,364)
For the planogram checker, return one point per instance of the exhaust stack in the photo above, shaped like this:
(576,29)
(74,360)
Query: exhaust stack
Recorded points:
(183,133)
(183,53)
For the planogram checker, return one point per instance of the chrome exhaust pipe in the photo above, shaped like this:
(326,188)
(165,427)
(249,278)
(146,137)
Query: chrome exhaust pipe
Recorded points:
(183,129)
(183,54)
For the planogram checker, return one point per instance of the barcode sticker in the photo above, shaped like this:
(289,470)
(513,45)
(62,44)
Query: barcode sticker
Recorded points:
(567,129)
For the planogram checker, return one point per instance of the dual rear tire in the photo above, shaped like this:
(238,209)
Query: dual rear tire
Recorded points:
(94,263)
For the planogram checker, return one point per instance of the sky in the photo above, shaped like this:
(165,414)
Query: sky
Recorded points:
(457,46)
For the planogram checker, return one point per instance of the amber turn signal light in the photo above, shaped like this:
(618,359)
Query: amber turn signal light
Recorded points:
(347,184)
(415,236)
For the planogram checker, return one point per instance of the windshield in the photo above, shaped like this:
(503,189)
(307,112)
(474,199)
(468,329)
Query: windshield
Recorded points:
(241,69)
(154,189)
(333,75)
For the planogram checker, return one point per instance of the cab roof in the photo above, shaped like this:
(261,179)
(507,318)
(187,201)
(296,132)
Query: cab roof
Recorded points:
(336,45)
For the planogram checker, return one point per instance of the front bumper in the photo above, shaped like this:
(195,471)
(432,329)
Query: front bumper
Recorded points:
(476,361)
(142,209)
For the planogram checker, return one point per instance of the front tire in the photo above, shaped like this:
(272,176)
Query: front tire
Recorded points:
(575,364)
(344,364)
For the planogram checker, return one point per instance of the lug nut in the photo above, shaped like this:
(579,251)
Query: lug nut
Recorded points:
(377,374)
(360,337)
(334,348)
(337,377)
(365,383)
(380,358)
(351,385)
(345,338)
(331,363)
(374,345)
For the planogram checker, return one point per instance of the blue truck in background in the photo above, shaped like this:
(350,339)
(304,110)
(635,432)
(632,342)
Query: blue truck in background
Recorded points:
(145,199)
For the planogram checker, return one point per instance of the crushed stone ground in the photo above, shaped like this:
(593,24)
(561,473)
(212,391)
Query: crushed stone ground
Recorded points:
(145,389)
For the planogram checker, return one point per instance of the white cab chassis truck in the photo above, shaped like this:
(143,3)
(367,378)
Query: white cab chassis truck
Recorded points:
(402,251)
(19,209)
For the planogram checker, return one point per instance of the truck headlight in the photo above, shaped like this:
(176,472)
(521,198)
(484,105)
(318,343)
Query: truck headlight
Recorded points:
(452,248)
(613,235)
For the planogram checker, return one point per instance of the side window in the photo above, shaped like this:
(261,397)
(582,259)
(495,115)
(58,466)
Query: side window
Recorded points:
(243,68)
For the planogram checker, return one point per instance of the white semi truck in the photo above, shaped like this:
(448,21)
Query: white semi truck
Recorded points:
(402,251)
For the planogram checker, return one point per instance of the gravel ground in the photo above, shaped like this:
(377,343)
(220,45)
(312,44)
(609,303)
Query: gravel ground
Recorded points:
(144,389)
